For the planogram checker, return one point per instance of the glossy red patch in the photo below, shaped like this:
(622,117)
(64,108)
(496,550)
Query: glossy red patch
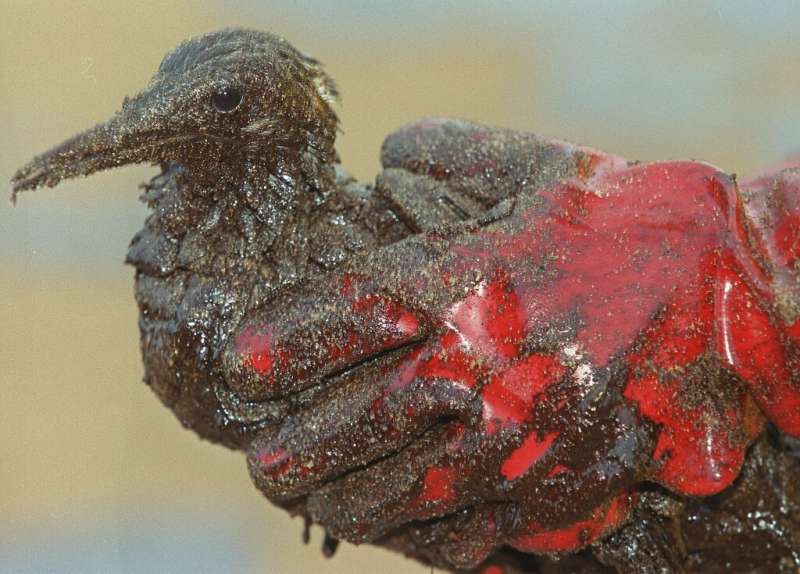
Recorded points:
(532,449)
(557,470)
(696,450)
(512,393)
(393,318)
(272,457)
(787,239)
(490,322)
(578,534)
(451,362)
(276,462)
(256,348)
(438,485)
(751,346)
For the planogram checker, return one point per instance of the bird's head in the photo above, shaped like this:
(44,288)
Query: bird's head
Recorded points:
(217,102)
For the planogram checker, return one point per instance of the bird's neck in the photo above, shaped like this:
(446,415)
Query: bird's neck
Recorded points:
(235,219)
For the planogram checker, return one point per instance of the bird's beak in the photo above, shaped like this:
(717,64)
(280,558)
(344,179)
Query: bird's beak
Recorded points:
(137,133)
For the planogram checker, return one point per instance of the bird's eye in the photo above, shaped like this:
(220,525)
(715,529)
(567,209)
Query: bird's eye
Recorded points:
(226,100)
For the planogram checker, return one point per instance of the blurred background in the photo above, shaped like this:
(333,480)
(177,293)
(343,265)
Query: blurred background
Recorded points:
(95,475)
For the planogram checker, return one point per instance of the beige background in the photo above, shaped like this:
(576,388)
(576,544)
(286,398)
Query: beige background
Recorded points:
(96,476)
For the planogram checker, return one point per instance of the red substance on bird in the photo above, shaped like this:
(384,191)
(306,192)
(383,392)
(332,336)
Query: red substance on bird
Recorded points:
(579,533)
(530,451)
(618,327)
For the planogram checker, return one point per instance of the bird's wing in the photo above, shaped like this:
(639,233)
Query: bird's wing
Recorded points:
(445,170)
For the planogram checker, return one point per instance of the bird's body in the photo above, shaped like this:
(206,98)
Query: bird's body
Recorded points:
(404,335)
